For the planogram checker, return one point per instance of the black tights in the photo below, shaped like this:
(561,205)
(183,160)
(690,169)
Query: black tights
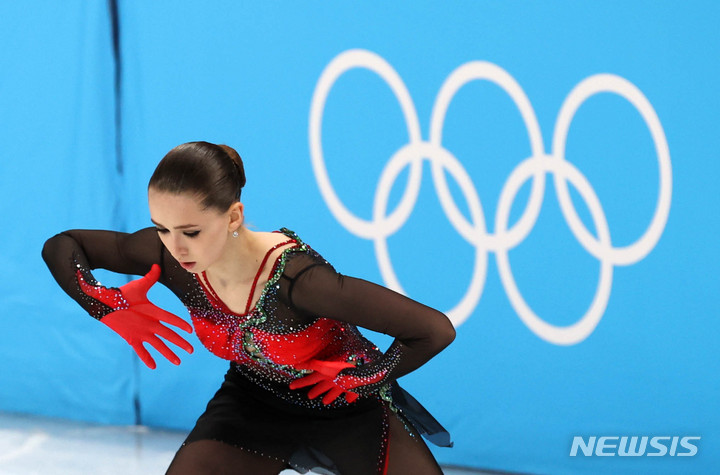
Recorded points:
(406,454)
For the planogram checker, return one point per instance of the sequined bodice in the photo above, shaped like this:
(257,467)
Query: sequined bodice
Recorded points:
(268,346)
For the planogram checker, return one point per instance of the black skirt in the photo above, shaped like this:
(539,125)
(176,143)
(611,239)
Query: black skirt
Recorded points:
(252,418)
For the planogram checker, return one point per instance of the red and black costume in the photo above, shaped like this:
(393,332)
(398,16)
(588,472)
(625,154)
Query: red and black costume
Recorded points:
(303,325)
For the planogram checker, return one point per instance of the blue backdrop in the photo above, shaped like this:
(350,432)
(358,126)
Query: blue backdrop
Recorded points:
(543,172)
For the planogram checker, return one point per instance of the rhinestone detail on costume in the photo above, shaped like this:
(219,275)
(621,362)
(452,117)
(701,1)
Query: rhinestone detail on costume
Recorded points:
(267,351)
(94,294)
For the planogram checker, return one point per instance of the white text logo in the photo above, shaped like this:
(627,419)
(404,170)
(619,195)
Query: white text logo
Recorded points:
(633,446)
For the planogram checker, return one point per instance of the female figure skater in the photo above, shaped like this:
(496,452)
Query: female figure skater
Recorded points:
(305,389)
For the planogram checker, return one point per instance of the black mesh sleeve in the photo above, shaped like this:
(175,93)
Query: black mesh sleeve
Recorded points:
(71,255)
(420,332)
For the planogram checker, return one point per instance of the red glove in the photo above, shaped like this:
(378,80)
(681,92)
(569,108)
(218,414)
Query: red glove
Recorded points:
(137,320)
(325,378)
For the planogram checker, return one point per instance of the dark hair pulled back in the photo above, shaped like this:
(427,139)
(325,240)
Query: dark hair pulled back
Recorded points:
(213,172)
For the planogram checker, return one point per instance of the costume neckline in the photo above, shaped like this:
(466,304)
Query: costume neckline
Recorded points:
(218,302)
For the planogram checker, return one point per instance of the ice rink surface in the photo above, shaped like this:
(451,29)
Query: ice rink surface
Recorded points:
(32,445)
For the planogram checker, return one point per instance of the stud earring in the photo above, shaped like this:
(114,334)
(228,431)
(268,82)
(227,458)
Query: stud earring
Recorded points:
(235,234)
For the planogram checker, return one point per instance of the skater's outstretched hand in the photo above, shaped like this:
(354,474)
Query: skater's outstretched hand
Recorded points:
(137,320)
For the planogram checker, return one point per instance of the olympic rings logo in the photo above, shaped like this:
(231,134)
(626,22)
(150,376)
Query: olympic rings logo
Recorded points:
(536,167)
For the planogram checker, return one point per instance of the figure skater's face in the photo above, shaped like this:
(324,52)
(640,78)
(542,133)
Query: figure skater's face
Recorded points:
(195,237)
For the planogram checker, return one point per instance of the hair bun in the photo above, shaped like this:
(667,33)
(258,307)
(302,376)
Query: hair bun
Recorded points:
(235,157)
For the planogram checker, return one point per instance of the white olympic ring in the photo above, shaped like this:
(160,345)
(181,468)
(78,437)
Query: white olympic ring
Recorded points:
(536,167)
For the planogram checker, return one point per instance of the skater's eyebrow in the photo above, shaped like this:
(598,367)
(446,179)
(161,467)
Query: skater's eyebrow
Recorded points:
(182,226)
